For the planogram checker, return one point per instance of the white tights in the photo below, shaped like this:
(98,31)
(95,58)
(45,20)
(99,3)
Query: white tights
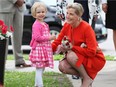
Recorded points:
(38,77)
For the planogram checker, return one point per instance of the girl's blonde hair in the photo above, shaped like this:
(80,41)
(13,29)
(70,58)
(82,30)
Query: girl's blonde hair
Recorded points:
(35,6)
(78,8)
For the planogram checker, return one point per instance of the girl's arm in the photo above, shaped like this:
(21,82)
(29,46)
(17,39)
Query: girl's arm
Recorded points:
(37,34)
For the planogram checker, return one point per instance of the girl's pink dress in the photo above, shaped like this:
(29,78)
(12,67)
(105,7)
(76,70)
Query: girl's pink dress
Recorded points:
(41,56)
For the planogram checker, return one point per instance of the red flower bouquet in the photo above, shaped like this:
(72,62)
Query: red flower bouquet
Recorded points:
(4,33)
(66,43)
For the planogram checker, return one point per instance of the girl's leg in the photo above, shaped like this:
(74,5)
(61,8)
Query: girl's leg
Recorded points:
(38,77)
(72,59)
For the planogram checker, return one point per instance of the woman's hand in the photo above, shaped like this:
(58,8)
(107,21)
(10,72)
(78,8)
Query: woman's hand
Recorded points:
(61,16)
(95,17)
(98,49)
(83,45)
(60,49)
(19,3)
(104,7)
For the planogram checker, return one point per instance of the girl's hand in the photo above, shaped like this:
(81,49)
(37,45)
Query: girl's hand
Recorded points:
(52,37)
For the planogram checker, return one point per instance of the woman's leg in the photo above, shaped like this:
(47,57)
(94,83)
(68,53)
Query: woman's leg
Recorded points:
(90,85)
(72,59)
(66,68)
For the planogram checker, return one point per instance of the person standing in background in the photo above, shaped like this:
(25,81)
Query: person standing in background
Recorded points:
(11,12)
(84,3)
(91,9)
(108,7)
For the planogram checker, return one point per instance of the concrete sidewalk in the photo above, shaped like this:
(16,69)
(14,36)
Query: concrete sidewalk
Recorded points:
(105,78)
(10,65)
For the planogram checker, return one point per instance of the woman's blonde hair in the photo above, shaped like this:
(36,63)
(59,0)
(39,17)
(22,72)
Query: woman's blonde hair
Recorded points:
(35,6)
(78,8)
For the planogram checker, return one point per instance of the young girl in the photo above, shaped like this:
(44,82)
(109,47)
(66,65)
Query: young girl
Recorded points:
(41,53)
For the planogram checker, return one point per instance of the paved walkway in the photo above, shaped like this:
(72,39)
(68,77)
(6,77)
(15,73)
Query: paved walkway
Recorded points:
(105,78)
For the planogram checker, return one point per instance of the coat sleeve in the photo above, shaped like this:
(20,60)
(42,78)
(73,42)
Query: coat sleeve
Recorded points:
(37,34)
(90,41)
(58,41)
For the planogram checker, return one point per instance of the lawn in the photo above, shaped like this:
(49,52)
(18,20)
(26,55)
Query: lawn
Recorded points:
(26,56)
(26,79)
(57,57)
(50,79)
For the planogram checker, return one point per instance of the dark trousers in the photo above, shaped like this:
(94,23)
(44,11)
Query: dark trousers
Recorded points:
(84,3)
(93,23)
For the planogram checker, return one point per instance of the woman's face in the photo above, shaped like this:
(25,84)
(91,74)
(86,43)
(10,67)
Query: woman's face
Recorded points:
(40,13)
(71,16)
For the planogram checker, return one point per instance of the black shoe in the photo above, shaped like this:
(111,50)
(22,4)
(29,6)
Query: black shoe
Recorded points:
(75,77)
(23,65)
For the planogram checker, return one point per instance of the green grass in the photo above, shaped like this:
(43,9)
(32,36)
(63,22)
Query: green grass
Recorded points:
(50,79)
(56,57)
(109,58)
(26,56)
(26,79)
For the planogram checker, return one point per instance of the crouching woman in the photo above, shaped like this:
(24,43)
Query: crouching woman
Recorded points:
(83,57)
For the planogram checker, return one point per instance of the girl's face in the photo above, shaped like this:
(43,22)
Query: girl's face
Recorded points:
(40,13)
(71,16)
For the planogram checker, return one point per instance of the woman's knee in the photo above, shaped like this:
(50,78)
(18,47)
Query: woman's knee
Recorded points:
(61,68)
(72,57)
(64,66)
